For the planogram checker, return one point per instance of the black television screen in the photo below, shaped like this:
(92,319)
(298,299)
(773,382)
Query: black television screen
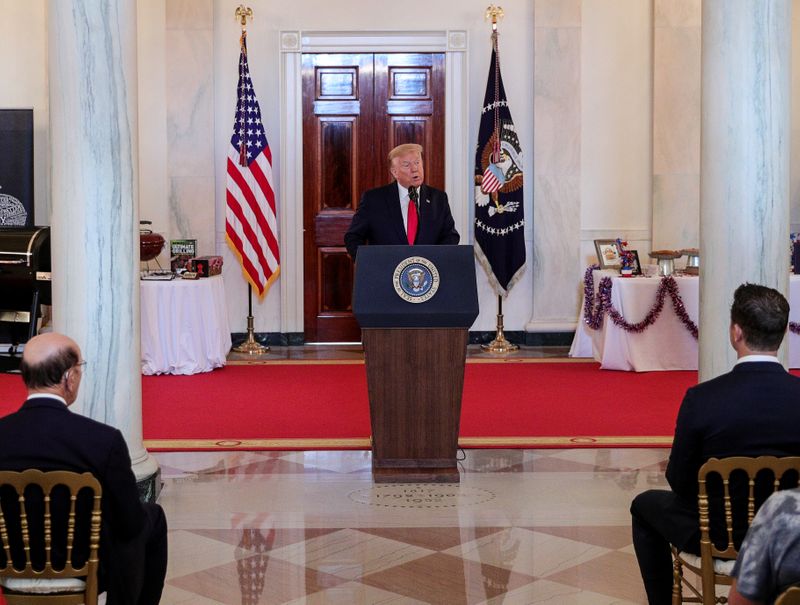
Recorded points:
(16,168)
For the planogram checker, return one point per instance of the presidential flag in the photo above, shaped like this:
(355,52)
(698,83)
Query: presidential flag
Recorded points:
(499,212)
(250,221)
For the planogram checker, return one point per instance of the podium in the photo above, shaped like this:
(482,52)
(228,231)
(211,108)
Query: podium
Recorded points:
(415,306)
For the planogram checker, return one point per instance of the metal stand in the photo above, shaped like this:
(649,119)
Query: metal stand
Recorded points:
(499,344)
(250,346)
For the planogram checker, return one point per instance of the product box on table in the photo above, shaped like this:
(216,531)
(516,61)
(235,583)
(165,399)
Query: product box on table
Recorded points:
(180,263)
(206,266)
(183,247)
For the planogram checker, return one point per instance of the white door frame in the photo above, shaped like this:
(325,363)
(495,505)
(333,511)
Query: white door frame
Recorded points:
(457,159)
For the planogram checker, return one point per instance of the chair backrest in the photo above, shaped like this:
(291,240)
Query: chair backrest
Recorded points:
(756,470)
(50,531)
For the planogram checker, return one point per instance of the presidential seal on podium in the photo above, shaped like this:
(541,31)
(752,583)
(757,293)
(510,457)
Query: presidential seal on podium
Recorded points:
(416,279)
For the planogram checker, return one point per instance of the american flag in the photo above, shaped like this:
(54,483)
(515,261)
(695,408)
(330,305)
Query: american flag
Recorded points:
(250,223)
(493,179)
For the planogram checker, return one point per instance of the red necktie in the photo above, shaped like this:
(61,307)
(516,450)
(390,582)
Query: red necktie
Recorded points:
(413,219)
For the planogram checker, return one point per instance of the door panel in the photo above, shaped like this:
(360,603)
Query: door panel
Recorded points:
(338,146)
(356,107)
(410,89)
(337,131)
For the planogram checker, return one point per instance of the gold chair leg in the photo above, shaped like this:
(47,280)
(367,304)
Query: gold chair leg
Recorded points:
(677,579)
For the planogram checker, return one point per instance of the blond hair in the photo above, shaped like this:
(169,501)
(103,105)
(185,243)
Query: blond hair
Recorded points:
(403,150)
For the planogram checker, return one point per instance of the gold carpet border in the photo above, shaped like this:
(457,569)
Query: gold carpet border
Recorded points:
(364,443)
(471,360)
(294,362)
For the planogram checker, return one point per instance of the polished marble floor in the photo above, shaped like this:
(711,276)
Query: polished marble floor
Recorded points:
(523,527)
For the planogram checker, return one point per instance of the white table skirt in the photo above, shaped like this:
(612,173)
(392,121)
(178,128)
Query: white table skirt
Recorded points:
(184,326)
(665,345)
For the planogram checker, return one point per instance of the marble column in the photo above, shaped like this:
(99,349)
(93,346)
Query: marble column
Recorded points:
(744,176)
(556,166)
(95,218)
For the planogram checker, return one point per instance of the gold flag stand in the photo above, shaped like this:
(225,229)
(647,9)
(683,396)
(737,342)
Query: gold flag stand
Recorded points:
(500,344)
(250,345)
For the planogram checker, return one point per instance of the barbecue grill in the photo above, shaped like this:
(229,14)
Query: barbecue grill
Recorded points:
(24,286)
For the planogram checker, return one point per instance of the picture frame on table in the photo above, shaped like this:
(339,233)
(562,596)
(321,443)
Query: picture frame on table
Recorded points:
(607,253)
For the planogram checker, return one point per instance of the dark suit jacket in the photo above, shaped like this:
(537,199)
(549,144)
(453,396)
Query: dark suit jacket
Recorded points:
(44,434)
(753,410)
(379,220)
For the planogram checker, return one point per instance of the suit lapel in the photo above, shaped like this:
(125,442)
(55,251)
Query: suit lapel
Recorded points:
(424,215)
(395,214)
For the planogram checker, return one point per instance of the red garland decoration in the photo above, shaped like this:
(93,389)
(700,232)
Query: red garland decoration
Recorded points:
(593,311)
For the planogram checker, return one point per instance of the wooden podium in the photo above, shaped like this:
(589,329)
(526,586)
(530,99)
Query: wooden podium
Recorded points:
(415,354)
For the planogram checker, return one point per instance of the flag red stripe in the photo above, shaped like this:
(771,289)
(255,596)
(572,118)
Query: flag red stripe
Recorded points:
(266,187)
(249,234)
(249,231)
(246,264)
(265,184)
(254,206)
(252,272)
(246,231)
(236,174)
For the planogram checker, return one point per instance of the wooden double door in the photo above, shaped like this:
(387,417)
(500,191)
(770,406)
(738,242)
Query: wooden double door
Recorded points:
(356,108)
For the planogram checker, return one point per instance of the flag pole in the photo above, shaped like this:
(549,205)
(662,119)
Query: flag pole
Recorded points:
(499,344)
(249,346)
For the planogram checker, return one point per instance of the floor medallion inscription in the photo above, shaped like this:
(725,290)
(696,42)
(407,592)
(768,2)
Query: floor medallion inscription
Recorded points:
(421,495)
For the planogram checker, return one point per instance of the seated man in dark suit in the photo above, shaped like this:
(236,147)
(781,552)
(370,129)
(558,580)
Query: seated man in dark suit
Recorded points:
(753,410)
(404,212)
(45,435)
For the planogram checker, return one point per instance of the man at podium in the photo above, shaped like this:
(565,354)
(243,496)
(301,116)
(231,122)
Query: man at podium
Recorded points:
(405,211)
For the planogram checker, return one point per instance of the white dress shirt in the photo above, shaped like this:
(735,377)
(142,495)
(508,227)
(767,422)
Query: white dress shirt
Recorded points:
(404,201)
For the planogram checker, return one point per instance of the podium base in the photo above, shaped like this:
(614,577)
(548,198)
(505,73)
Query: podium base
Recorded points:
(416,475)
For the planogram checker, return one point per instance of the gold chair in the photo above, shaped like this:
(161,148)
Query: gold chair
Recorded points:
(790,596)
(32,490)
(714,565)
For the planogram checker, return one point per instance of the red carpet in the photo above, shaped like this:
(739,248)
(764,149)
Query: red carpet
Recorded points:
(317,406)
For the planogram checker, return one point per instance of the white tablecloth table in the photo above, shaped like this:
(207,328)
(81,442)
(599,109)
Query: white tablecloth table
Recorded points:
(184,326)
(666,344)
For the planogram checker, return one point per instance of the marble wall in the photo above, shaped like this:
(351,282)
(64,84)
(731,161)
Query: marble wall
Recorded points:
(616,126)
(676,123)
(556,165)
(189,60)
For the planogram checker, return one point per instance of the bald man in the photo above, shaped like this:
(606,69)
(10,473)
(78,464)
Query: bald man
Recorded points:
(44,434)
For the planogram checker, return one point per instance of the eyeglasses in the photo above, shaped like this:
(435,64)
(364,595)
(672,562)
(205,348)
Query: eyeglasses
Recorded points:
(80,365)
